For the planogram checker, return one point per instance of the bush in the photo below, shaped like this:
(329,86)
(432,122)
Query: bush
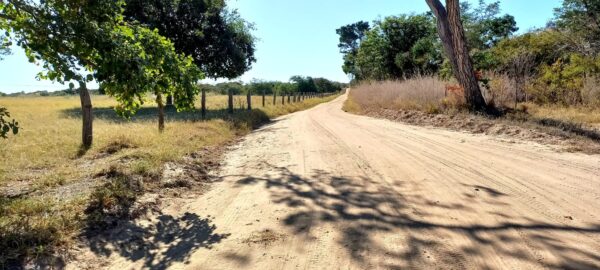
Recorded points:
(563,81)
(591,91)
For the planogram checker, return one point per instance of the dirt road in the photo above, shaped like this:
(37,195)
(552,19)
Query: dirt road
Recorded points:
(323,189)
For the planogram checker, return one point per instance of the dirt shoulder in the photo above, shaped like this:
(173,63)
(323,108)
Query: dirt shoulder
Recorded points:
(564,136)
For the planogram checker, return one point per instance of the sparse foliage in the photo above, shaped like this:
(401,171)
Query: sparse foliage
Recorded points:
(7,125)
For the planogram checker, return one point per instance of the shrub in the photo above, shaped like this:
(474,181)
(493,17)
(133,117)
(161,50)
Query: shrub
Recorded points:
(591,91)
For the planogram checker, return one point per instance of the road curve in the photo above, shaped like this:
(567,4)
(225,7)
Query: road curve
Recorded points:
(324,189)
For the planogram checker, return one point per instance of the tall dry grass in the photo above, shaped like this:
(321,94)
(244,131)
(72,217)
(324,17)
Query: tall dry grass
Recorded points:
(421,93)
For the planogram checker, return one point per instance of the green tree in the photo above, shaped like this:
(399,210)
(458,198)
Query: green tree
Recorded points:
(581,20)
(372,61)
(399,47)
(218,39)
(351,36)
(5,42)
(5,125)
(483,25)
(326,86)
(304,84)
(236,88)
(85,40)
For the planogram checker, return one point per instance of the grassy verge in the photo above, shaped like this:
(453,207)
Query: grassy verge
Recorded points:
(424,101)
(50,191)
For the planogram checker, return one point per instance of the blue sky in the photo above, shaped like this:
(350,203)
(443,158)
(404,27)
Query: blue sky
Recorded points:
(295,37)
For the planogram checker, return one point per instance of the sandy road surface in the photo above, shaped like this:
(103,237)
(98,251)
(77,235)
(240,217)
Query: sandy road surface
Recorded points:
(323,189)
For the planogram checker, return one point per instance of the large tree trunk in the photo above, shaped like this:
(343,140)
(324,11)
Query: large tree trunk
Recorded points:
(203,103)
(161,112)
(451,32)
(87,116)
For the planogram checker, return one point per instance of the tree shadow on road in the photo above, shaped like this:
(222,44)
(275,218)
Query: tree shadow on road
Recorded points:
(402,232)
(158,244)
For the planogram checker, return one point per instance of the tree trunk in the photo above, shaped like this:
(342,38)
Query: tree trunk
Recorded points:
(263,98)
(274,97)
(161,112)
(230,101)
(283,99)
(451,32)
(203,103)
(289,98)
(249,100)
(87,136)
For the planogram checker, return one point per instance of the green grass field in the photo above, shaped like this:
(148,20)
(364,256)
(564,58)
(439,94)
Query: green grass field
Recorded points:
(46,180)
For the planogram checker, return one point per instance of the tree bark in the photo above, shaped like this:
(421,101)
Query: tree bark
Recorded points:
(230,101)
(249,100)
(289,98)
(203,103)
(87,136)
(274,97)
(283,99)
(451,32)
(263,98)
(161,112)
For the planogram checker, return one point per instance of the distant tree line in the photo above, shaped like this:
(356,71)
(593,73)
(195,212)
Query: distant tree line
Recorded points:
(297,84)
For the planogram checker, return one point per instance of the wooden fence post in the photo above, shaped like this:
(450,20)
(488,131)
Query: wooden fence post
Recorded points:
(249,100)
(230,101)
(203,104)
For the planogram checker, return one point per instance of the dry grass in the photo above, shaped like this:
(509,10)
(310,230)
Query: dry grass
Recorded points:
(421,93)
(422,101)
(581,115)
(46,181)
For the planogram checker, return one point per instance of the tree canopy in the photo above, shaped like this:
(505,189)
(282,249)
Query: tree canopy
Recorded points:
(218,39)
(85,40)
(351,36)
(581,20)
(403,46)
